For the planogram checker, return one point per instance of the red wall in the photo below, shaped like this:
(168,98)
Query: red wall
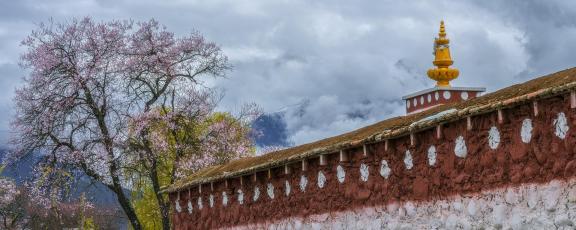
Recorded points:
(454,97)
(545,158)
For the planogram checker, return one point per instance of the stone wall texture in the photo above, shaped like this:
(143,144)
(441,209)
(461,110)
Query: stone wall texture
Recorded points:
(544,206)
(515,173)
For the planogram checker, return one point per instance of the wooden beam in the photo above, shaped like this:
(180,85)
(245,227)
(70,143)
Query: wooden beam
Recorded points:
(572,99)
(200,189)
(304,165)
(386,145)
(343,156)
(323,160)
(241,180)
(365,150)
(439,131)
(255,177)
(535,108)
(500,117)
(287,169)
(412,139)
(212,186)
(226,183)
(468,123)
(269,174)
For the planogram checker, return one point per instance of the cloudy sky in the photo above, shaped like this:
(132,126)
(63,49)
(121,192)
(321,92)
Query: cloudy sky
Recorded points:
(320,68)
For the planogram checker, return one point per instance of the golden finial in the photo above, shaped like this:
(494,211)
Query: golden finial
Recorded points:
(442,33)
(442,74)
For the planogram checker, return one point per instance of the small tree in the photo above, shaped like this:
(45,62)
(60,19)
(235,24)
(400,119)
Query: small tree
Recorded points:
(12,204)
(177,140)
(88,81)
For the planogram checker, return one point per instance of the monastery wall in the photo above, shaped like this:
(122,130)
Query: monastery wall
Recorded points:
(512,170)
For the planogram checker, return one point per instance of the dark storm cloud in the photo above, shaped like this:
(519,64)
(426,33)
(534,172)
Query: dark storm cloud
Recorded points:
(332,66)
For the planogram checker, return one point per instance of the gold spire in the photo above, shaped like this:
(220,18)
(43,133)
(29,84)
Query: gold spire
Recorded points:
(442,74)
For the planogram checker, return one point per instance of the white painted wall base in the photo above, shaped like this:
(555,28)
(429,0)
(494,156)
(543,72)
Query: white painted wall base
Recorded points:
(545,206)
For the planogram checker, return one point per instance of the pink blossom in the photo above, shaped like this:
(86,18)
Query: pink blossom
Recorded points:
(96,89)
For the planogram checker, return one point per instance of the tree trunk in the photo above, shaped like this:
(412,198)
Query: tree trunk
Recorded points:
(127,207)
(163,204)
(100,114)
(122,199)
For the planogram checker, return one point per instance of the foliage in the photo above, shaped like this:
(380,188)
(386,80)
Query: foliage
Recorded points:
(23,209)
(88,224)
(147,207)
(202,140)
(11,209)
(222,138)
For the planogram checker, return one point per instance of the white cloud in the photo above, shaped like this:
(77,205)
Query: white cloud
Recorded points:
(332,29)
(247,54)
(351,61)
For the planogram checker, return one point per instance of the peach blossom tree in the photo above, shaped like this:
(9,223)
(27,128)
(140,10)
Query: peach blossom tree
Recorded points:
(88,82)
